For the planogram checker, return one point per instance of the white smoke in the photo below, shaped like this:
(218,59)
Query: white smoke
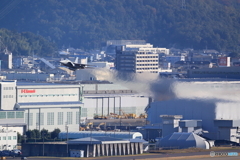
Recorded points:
(149,84)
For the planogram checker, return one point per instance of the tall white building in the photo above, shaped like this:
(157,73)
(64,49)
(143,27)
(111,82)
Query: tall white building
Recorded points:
(136,61)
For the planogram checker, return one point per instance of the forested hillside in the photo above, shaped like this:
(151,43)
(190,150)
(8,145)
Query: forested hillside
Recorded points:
(88,24)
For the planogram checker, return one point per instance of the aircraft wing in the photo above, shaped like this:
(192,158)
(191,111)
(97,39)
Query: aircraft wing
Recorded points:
(80,66)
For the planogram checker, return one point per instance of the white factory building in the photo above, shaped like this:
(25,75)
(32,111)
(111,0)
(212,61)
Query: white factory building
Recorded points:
(210,108)
(50,106)
(8,139)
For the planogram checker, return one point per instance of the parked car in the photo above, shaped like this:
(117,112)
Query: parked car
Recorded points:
(5,153)
(16,152)
(12,153)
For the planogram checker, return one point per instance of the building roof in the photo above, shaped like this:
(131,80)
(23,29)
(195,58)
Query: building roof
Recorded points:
(193,62)
(83,134)
(183,140)
(49,104)
(97,140)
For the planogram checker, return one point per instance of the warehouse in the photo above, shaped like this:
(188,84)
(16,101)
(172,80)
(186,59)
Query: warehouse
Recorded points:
(91,147)
(50,106)
(215,103)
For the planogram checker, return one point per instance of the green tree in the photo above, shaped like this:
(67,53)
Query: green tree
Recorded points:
(19,137)
(54,133)
(45,134)
(30,134)
(37,133)
(87,24)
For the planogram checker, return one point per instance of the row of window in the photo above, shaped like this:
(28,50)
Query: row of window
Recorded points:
(147,56)
(145,68)
(4,115)
(47,95)
(147,60)
(147,64)
(7,96)
(150,72)
(127,61)
(146,52)
(8,88)
(50,118)
(8,137)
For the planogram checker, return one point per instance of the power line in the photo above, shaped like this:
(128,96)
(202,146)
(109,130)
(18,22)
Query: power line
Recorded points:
(8,8)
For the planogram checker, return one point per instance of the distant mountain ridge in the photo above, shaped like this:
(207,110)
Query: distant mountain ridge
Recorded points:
(87,24)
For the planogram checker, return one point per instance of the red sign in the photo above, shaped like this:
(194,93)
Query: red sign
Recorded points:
(28,91)
(224,61)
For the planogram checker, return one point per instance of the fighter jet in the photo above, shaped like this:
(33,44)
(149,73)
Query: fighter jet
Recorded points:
(73,65)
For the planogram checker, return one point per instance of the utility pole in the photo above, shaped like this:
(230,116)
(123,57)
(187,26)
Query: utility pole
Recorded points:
(67,136)
(43,141)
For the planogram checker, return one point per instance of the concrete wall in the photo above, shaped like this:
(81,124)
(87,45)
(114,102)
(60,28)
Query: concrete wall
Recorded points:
(48,93)
(57,121)
(8,95)
(8,140)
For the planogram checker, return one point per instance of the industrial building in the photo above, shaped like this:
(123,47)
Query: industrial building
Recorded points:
(220,72)
(8,139)
(90,147)
(209,108)
(6,60)
(50,106)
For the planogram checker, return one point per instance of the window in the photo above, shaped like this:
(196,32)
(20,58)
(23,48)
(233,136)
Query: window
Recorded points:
(60,118)
(41,118)
(69,117)
(77,118)
(29,118)
(50,118)
(19,114)
(2,115)
(4,138)
(83,112)
(9,138)
(14,137)
(10,114)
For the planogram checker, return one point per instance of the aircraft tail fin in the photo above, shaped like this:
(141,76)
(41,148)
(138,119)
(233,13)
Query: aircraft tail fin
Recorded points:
(76,60)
